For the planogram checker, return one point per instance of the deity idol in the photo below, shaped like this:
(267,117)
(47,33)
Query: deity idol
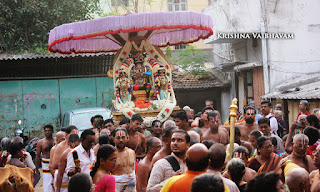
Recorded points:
(123,86)
(163,83)
(141,77)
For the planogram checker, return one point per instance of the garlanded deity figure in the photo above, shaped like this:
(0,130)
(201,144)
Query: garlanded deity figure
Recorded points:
(163,84)
(123,87)
(141,77)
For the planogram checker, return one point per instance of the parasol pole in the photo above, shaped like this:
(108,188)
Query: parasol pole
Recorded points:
(233,114)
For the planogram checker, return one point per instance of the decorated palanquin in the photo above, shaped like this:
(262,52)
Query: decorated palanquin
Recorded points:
(142,76)
(142,82)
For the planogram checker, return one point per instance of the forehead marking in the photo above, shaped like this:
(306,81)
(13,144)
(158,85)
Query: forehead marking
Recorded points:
(250,111)
(238,155)
(303,140)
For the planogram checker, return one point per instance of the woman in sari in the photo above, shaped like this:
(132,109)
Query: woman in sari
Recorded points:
(253,137)
(101,172)
(266,160)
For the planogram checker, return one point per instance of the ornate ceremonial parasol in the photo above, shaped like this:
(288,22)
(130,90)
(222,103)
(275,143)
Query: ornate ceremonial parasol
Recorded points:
(141,74)
(109,34)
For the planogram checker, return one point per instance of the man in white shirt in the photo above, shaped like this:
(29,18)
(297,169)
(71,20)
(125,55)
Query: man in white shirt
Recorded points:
(83,153)
(163,169)
(266,107)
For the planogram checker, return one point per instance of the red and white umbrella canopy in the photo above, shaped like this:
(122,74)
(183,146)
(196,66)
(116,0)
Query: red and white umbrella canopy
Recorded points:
(109,34)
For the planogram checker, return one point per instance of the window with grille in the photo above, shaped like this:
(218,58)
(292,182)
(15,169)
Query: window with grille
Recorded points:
(248,85)
(179,46)
(115,3)
(177,5)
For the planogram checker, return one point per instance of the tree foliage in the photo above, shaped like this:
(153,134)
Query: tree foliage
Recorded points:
(192,60)
(25,24)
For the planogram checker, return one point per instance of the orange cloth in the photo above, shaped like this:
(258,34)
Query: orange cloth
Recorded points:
(226,123)
(142,104)
(22,177)
(181,183)
(270,165)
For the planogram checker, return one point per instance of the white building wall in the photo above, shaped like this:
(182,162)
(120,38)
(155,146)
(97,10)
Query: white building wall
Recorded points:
(221,52)
(293,58)
(287,58)
(226,101)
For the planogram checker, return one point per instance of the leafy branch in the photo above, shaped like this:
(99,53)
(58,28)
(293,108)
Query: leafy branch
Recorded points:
(24,25)
(190,59)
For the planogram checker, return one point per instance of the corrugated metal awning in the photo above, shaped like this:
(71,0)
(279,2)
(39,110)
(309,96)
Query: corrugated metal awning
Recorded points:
(21,67)
(305,91)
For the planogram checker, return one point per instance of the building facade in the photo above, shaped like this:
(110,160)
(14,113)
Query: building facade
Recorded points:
(261,44)
(120,7)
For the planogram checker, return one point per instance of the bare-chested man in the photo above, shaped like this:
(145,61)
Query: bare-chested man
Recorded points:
(156,129)
(315,175)
(60,136)
(215,133)
(98,125)
(124,123)
(297,180)
(109,125)
(203,119)
(209,103)
(154,144)
(137,141)
(237,139)
(61,179)
(166,142)
(63,146)
(248,125)
(298,155)
(95,118)
(124,172)
(181,120)
(43,148)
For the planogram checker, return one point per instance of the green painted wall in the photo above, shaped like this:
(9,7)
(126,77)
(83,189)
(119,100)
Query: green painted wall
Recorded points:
(11,106)
(39,102)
